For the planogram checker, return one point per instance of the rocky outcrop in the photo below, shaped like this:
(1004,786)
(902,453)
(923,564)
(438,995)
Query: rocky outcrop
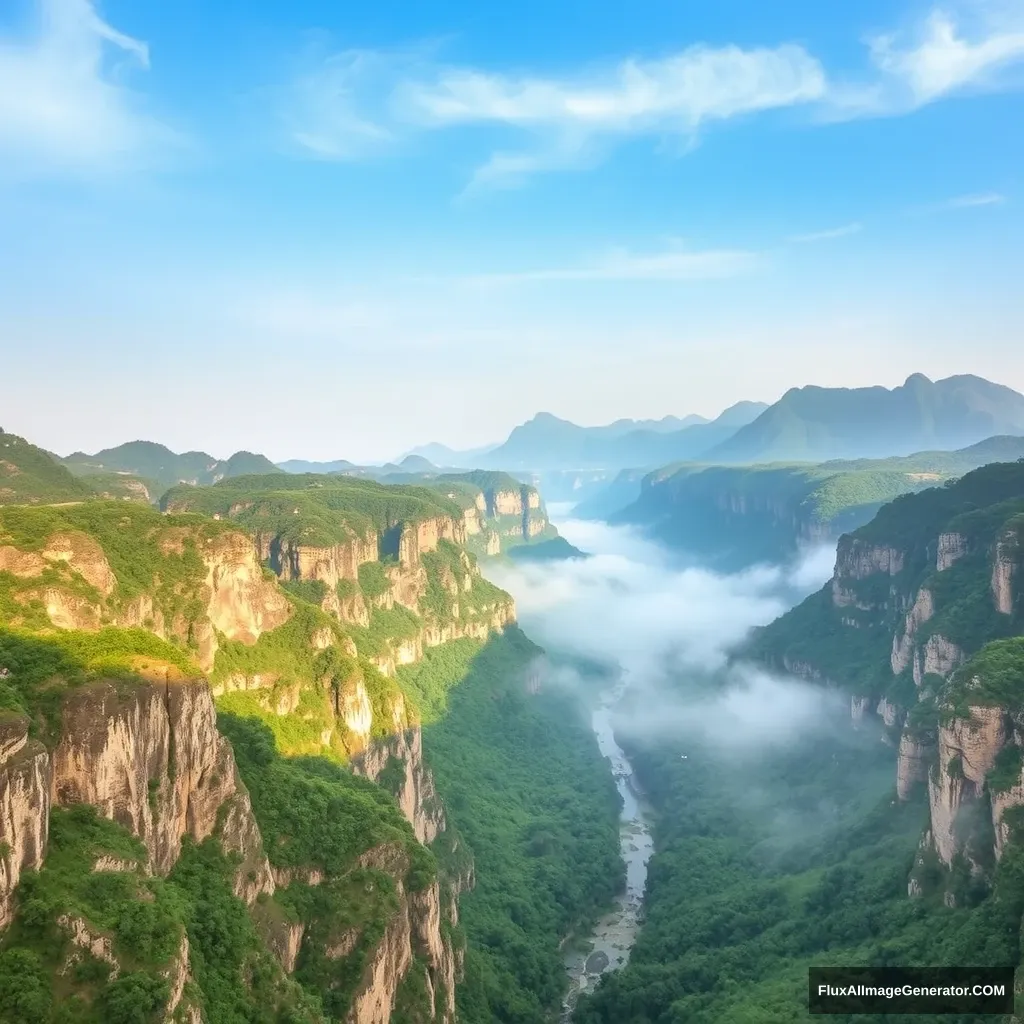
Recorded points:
(417,539)
(353,707)
(903,644)
(285,942)
(951,548)
(242,604)
(293,561)
(236,600)
(24,807)
(912,764)
(967,751)
(859,708)
(413,932)
(149,757)
(890,714)
(1004,569)
(441,959)
(858,559)
(415,792)
(938,656)
(85,938)
(177,975)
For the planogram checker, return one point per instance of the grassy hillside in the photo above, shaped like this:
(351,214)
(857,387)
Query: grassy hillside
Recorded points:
(31,476)
(312,509)
(151,461)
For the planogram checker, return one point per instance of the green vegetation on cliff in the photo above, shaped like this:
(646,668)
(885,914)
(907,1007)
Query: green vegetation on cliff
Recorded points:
(741,514)
(786,857)
(155,462)
(526,787)
(39,669)
(845,631)
(137,923)
(31,476)
(314,814)
(315,510)
(318,817)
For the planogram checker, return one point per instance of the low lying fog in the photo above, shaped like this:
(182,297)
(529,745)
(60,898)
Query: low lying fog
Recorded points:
(670,628)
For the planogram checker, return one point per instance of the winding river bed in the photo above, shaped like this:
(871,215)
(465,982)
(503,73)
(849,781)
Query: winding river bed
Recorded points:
(607,947)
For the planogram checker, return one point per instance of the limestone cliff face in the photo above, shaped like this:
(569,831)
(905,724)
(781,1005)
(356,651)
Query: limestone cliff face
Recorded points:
(912,764)
(292,561)
(410,651)
(24,807)
(416,794)
(938,656)
(1004,569)
(242,604)
(414,930)
(149,756)
(950,549)
(967,753)
(417,539)
(903,644)
(234,598)
(859,559)
(509,514)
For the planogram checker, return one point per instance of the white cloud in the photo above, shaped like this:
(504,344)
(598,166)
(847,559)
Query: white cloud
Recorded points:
(981,199)
(61,107)
(356,103)
(310,315)
(325,108)
(943,55)
(943,60)
(677,93)
(675,264)
(345,108)
(824,236)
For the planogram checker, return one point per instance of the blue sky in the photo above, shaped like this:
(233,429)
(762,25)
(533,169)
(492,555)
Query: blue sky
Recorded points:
(338,230)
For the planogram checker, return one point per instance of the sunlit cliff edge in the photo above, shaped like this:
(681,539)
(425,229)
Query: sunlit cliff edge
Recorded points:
(124,632)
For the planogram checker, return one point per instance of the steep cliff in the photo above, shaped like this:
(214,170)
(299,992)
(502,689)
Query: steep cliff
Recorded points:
(922,618)
(125,605)
(737,515)
(499,511)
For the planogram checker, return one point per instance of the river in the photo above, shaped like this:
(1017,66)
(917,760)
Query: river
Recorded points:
(607,947)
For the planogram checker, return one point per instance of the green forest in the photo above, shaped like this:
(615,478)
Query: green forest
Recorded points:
(525,785)
(771,860)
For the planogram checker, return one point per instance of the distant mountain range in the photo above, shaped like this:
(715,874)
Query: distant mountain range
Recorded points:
(808,424)
(547,442)
(156,464)
(813,424)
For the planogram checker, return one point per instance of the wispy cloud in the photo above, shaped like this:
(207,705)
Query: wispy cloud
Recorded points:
(61,107)
(357,103)
(674,264)
(824,236)
(941,56)
(981,199)
(344,109)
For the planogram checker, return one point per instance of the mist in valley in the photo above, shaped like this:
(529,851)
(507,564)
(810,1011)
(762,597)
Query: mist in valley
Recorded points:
(670,636)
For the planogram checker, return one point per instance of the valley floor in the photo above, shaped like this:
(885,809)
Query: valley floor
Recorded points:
(765,866)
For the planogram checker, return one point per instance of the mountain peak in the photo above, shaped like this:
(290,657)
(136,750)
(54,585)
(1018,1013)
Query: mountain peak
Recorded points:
(916,380)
